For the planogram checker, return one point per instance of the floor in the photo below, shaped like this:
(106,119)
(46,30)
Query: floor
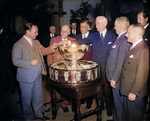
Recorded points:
(10,107)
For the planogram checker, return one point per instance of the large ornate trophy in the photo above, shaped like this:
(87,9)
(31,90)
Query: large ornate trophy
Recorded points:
(74,70)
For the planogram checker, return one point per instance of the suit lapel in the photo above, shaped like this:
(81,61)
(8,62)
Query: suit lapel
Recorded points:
(133,51)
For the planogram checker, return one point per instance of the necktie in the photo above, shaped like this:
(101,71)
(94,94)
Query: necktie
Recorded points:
(32,43)
(74,32)
(83,36)
(52,35)
(101,36)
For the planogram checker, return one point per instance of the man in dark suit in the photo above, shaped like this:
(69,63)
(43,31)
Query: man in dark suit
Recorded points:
(85,33)
(49,36)
(114,63)
(100,47)
(135,70)
(143,19)
(74,29)
(27,55)
(46,41)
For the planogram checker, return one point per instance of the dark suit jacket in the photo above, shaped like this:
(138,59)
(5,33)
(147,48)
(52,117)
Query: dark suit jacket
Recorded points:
(135,71)
(72,35)
(100,49)
(57,56)
(146,36)
(47,39)
(87,55)
(115,58)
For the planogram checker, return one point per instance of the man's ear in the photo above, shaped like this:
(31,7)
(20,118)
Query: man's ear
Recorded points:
(146,19)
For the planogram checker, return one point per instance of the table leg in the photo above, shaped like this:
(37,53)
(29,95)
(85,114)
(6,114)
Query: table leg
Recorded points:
(54,111)
(99,106)
(77,112)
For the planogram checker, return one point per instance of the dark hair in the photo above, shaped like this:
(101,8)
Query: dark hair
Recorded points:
(145,13)
(73,22)
(85,20)
(28,26)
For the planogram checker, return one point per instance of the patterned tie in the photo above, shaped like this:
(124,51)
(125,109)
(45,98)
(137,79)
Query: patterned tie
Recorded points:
(101,36)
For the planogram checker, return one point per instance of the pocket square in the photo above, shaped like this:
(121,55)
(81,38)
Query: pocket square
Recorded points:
(114,46)
(109,42)
(131,56)
(146,39)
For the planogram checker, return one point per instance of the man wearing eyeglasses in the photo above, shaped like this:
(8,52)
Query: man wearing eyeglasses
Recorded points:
(57,56)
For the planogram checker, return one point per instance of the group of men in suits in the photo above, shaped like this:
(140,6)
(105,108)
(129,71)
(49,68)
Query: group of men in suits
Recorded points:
(124,68)
(121,68)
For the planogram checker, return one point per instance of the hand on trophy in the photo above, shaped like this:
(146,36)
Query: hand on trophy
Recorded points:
(55,45)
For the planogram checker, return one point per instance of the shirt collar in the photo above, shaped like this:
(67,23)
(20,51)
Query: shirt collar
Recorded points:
(121,34)
(134,44)
(85,35)
(146,26)
(28,39)
(104,32)
(64,39)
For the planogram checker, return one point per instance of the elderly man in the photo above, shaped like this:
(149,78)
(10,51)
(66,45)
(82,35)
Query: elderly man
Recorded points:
(57,56)
(143,19)
(114,63)
(101,42)
(135,69)
(27,55)
(49,36)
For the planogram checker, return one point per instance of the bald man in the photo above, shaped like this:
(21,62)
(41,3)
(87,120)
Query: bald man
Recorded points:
(57,56)
(135,70)
(101,42)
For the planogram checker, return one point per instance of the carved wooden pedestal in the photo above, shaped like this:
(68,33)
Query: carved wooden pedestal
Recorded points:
(77,92)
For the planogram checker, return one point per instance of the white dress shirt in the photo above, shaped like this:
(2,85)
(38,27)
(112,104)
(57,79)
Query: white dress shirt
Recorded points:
(85,35)
(28,39)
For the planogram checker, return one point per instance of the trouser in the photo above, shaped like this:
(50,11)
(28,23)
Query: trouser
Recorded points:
(117,112)
(133,110)
(32,98)
(107,92)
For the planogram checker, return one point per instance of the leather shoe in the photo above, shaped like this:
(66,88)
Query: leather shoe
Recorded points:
(109,113)
(45,118)
(65,109)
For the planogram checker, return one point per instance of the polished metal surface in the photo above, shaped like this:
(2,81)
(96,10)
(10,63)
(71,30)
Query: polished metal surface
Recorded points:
(87,71)
(74,70)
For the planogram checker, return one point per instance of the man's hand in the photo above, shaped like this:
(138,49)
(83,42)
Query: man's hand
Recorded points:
(34,62)
(113,83)
(131,96)
(55,45)
(66,42)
